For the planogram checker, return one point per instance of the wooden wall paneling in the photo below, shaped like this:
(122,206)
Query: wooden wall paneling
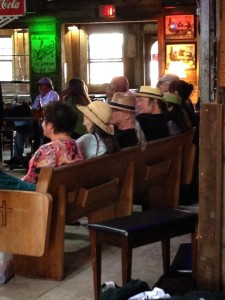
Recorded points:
(210,204)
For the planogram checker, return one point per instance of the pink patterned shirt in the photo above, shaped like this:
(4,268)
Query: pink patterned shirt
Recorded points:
(53,154)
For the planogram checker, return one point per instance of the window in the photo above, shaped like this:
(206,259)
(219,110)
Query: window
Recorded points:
(6,58)
(14,55)
(14,63)
(154,65)
(105,57)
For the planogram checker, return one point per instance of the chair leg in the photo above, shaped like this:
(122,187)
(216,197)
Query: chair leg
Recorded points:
(126,252)
(96,254)
(166,255)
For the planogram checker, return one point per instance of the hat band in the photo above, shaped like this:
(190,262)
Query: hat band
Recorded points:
(97,116)
(150,94)
(122,106)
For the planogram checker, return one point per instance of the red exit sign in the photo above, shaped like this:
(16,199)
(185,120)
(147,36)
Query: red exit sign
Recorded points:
(12,7)
(106,11)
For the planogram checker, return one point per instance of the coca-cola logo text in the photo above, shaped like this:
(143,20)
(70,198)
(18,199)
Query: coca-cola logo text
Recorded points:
(12,7)
(7,4)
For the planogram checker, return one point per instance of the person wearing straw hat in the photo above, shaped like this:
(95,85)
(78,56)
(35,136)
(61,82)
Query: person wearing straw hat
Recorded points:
(127,128)
(152,112)
(100,138)
(178,120)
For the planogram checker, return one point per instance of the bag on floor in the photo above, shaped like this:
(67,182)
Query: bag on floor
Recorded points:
(110,291)
(6,267)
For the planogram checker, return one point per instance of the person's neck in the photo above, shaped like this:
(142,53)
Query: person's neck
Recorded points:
(60,136)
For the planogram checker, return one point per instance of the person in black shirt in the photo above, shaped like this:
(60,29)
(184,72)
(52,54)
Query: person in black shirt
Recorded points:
(152,112)
(127,129)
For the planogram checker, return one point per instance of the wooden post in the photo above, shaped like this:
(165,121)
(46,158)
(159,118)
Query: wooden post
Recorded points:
(209,262)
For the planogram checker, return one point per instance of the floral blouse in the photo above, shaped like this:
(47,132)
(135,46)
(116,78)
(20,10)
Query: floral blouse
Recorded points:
(53,154)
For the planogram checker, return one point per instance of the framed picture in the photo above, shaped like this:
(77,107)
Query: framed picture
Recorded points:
(179,27)
(185,53)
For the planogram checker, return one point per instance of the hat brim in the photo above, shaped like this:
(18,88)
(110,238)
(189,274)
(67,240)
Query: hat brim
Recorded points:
(152,96)
(94,118)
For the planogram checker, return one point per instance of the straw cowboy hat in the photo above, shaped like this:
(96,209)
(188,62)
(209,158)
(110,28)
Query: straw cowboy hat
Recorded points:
(172,98)
(123,101)
(149,92)
(99,113)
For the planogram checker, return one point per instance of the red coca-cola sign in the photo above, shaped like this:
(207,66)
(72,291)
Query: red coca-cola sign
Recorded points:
(12,7)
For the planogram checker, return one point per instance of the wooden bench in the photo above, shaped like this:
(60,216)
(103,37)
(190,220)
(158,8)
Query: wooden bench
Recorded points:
(103,188)
(137,230)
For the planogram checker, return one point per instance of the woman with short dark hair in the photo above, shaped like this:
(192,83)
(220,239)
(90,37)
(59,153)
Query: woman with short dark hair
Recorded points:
(59,120)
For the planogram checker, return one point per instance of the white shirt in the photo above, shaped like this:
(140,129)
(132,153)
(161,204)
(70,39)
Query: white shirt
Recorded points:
(88,145)
(50,96)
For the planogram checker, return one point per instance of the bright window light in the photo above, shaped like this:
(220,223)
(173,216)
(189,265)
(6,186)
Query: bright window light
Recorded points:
(6,58)
(105,57)
(154,65)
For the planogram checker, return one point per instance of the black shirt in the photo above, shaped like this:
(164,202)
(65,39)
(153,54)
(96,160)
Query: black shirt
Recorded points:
(154,126)
(126,138)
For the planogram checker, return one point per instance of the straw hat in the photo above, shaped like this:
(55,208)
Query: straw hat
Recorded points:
(123,101)
(149,92)
(99,113)
(172,98)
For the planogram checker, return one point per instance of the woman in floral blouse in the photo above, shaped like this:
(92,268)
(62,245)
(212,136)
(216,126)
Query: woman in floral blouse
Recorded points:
(58,123)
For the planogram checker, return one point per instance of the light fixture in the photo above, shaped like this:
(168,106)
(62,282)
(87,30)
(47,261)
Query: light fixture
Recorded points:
(73,28)
(177,68)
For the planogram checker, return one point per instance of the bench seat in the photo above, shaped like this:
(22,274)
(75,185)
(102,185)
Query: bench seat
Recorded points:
(137,230)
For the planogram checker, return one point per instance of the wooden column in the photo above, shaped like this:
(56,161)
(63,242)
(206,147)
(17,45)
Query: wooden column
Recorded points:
(211,202)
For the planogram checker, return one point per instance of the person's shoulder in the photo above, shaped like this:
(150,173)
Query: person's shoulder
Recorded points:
(85,137)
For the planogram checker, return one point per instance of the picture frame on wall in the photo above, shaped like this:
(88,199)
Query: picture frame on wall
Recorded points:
(179,27)
(185,53)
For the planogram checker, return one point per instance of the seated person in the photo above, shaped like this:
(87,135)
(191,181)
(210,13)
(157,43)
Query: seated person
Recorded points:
(100,138)
(184,90)
(76,93)
(117,84)
(165,82)
(127,129)
(152,113)
(46,95)
(178,120)
(58,122)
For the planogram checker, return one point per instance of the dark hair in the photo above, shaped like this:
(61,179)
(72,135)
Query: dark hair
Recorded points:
(179,116)
(78,91)
(109,140)
(183,89)
(61,115)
